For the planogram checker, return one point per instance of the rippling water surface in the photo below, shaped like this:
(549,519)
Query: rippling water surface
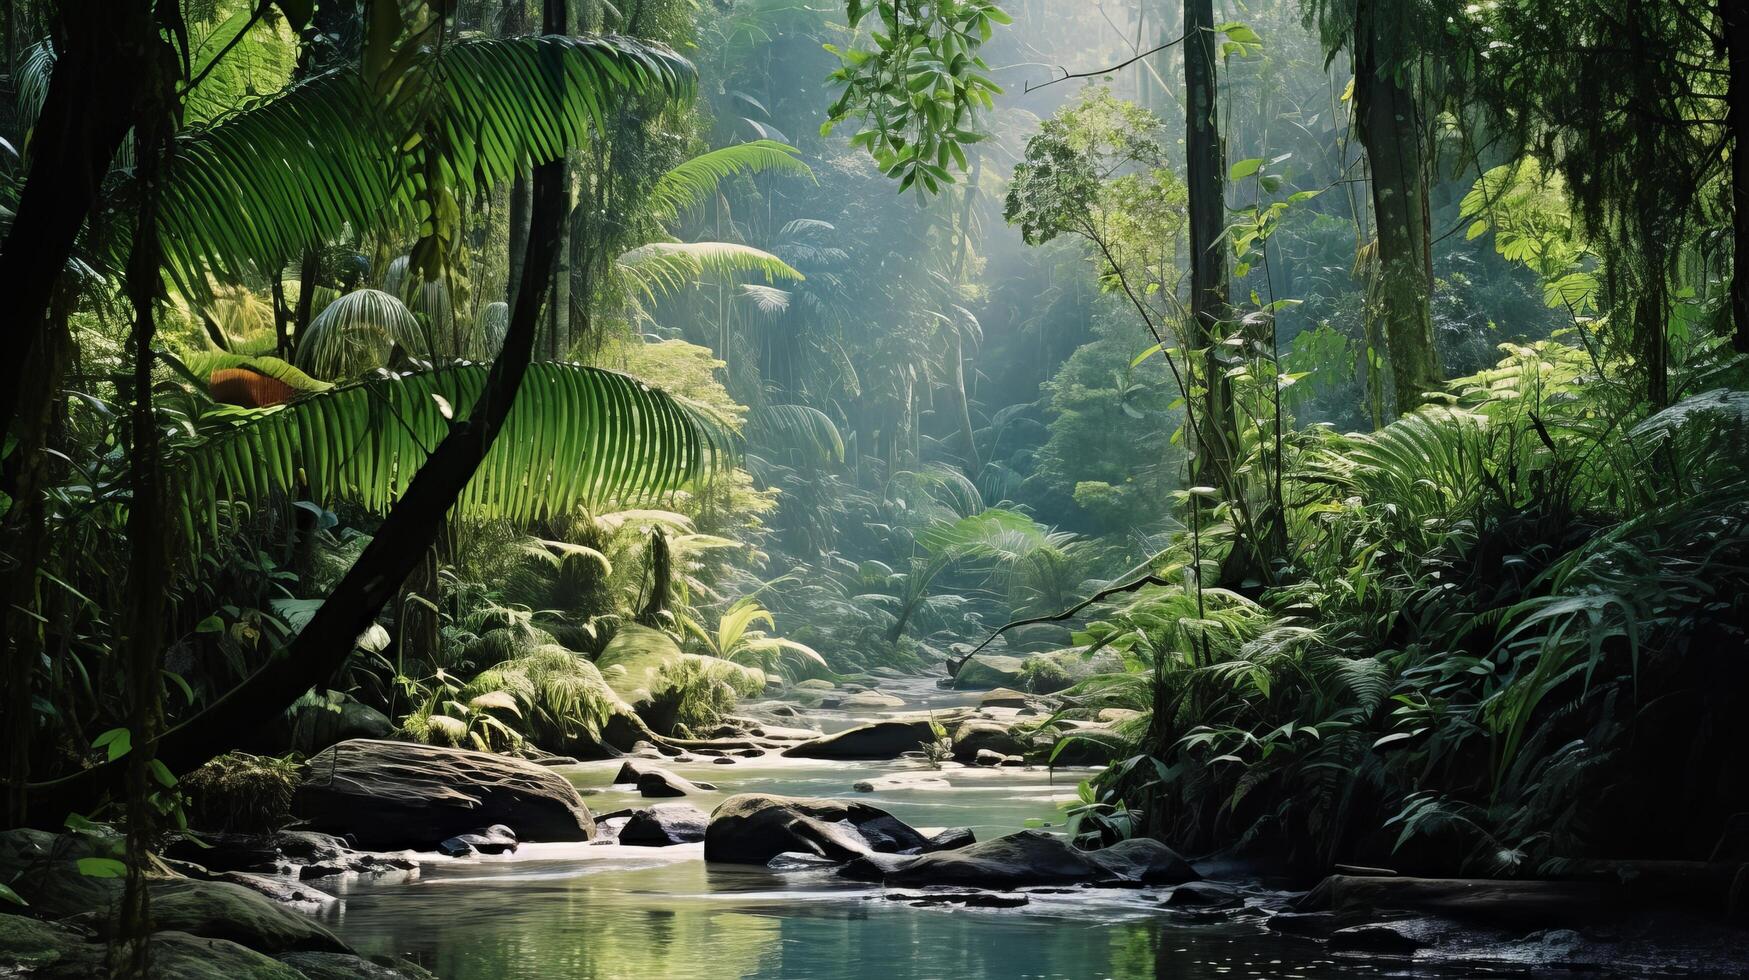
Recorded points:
(605,911)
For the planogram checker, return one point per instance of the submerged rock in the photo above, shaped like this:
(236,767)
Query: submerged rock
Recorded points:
(392,795)
(871,699)
(661,782)
(345,966)
(973,900)
(1027,858)
(496,839)
(753,828)
(879,740)
(663,825)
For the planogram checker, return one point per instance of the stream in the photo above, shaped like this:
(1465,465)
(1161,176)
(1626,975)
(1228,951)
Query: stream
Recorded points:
(601,910)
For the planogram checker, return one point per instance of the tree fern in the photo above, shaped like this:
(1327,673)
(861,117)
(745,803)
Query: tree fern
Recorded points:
(575,435)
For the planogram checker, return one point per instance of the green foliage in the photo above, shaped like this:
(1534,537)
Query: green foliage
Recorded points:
(356,333)
(242,793)
(254,190)
(735,640)
(577,435)
(694,182)
(918,90)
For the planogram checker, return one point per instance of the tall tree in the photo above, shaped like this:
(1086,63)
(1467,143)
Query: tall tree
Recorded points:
(1390,123)
(1205,180)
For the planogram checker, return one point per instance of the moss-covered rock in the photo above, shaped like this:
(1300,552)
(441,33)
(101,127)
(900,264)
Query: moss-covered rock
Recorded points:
(988,670)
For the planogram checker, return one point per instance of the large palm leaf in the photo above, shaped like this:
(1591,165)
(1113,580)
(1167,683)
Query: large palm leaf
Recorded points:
(357,333)
(692,183)
(662,268)
(575,435)
(257,188)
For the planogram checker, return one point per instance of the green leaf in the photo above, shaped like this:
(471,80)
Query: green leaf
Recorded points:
(119,742)
(1244,168)
(211,624)
(96,867)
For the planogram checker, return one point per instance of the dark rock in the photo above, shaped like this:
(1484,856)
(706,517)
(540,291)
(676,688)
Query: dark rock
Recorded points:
(181,956)
(1026,858)
(1378,937)
(753,829)
(310,872)
(391,795)
(661,782)
(880,740)
(496,839)
(950,839)
(1315,924)
(43,868)
(28,946)
(664,824)
(629,772)
(1204,895)
(1086,748)
(223,910)
(1145,860)
(344,966)
(987,757)
(283,890)
(722,761)
(971,900)
(1505,902)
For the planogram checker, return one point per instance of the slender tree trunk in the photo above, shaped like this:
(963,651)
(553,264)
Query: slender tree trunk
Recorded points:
(308,272)
(1205,180)
(398,546)
(146,525)
(1735,16)
(520,206)
(962,403)
(1389,128)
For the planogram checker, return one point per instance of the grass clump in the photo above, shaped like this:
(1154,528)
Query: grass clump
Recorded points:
(242,792)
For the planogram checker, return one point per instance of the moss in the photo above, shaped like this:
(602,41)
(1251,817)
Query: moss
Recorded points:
(242,792)
(1043,675)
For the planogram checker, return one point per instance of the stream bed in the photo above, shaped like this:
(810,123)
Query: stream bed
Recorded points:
(601,910)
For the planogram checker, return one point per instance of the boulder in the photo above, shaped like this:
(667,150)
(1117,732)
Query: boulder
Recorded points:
(661,782)
(1145,860)
(753,828)
(28,947)
(665,824)
(979,735)
(1022,859)
(224,910)
(1003,697)
(345,966)
(1204,895)
(281,852)
(181,956)
(496,839)
(950,839)
(988,670)
(43,868)
(987,757)
(871,699)
(392,795)
(879,740)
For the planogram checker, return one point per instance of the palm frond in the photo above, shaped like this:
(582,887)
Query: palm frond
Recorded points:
(575,435)
(254,190)
(692,183)
(356,333)
(798,428)
(661,268)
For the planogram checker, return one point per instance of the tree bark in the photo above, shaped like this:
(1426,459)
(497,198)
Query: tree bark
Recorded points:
(1734,14)
(397,548)
(89,109)
(1387,118)
(1205,180)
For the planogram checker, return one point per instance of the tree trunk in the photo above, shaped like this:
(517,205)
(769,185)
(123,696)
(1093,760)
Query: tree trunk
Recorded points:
(88,111)
(398,546)
(1735,16)
(520,206)
(1389,128)
(1205,179)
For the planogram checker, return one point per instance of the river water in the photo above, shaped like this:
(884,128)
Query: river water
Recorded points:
(561,911)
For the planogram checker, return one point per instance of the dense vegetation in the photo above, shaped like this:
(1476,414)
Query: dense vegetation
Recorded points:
(542,380)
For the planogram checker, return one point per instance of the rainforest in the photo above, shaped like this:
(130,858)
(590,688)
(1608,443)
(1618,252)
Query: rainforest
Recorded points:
(873,489)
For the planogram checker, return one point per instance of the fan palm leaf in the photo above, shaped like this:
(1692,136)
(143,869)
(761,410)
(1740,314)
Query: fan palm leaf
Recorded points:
(575,435)
(356,333)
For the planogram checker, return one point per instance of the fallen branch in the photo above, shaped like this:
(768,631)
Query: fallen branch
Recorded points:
(1067,74)
(1069,613)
